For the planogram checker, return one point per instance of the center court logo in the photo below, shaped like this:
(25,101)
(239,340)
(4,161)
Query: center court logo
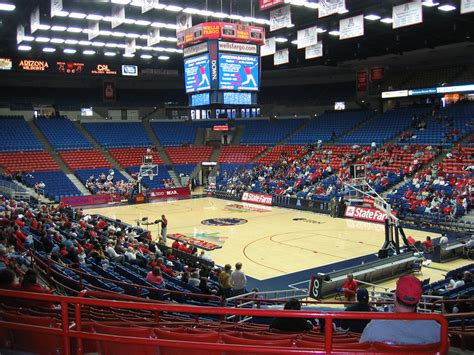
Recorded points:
(222,222)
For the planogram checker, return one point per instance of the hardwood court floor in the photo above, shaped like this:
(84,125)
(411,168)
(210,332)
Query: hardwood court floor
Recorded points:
(271,243)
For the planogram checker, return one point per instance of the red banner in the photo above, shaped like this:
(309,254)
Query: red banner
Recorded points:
(376,74)
(168,193)
(216,30)
(198,243)
(260,199)
(368,201)
(266,4)
(90,200)
(366,214)
(362,81)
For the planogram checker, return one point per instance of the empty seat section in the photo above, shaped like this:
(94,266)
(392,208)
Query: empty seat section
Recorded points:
(57,184)
(174,134)
(27,162)
(240,154)
(62,134)
(286,152)
(385,127)
(119,134)
(327,125)
(189,155)
(133,156)
(269,132)
(83,159)
(15,135)
(186,169)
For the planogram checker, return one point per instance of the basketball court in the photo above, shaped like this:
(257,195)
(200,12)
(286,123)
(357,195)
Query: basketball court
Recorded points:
(269,241)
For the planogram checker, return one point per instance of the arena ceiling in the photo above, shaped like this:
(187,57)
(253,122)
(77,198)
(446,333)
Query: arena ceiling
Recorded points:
(65,32)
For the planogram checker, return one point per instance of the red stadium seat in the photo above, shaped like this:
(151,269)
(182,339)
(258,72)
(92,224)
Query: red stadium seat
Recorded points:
(110,347)
(411,349)
(229,339)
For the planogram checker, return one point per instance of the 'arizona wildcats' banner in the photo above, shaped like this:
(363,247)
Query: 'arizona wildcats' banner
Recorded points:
(315,51)
(407,14)
(280,18)
(281,57)
(269,48)
(351,27)
(329,7)
(307,37)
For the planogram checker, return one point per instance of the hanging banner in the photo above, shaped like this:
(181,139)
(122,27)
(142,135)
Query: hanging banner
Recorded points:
(307,37)
(407,14)
(56,6)
(281,57)
(130,46)
(35,19)
(20,33)
(153,37)
(266,4)
(351,27)
(269,48)
(329,7)
(376,74)
(362,81)
(315,51)
(108,91)
(118,15)
(183,22)
(280,18)
(467,6)
(148,5)
(93,30)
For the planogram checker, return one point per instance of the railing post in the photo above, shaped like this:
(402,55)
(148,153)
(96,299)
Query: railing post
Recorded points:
(65,326)
(327,334)
(78,320)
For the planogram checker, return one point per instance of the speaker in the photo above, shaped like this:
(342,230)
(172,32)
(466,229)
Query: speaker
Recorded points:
(383,253)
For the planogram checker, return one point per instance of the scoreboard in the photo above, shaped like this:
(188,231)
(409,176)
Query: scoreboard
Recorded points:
(197,73)
(238,72)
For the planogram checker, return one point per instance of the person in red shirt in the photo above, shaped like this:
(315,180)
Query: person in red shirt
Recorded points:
(155,277)
(349,287)
(30,284)
(428,245)
(176,244)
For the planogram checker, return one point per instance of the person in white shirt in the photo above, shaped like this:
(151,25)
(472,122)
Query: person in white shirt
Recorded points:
(238,280)
(455,282)
(112,253)
(443,240)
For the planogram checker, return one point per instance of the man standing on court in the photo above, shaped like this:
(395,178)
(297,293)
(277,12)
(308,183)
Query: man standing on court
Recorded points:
(238,281)
(164,227)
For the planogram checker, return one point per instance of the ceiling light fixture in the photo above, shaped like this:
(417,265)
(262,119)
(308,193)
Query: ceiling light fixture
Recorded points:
(71,41)
(94,17)
(84,43)
(447,7)
(57,40)
(49,49)
(281,40)
(173,8)
(334,33)
(42,39)
(163,57)
(88,52)
(387,20)
(110,54)
(69,51)
(129,55)
(429,3)
(24,47)
(59,28)
(74,29)
(44,27)
(372,17)
(78,15)
(146,56)
(7,7)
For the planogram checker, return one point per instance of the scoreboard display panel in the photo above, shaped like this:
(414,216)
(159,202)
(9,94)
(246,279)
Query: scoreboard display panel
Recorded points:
(238,72)
(197,73)
(237,98)
(201,99)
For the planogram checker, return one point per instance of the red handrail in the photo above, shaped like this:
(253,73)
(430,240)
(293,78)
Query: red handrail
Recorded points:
(77,302)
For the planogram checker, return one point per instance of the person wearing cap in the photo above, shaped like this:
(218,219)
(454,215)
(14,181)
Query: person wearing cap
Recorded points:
(362,305)
(403,332)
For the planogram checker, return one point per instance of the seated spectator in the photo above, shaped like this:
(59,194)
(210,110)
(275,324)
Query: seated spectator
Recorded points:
(455,282)
(404,332)
(194,280)
(443,240)
(204,287)
(467,278)
(291,324)
(428,245)
(30,283)
(349,287)
(7,280)
(358,325)
(155,277)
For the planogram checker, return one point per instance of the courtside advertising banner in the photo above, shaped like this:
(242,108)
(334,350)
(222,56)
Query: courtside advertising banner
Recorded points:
(174,192)
(307,37)
(280,18)
(260,199)
(35,19)
(266,4)
(329,7)
(196,73)
(281,57)
(153,36)
(56,6)
(365,214)
(118,16)
(315,51)
(238,72)
(467,6)
(93,30)
(147,5)
(269,48)
(351,27)
(407,14)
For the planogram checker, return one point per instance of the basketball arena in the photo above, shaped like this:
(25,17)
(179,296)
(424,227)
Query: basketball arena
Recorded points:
(236,176)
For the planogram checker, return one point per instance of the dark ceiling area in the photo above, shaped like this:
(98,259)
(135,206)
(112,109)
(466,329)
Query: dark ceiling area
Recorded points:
(438,29)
